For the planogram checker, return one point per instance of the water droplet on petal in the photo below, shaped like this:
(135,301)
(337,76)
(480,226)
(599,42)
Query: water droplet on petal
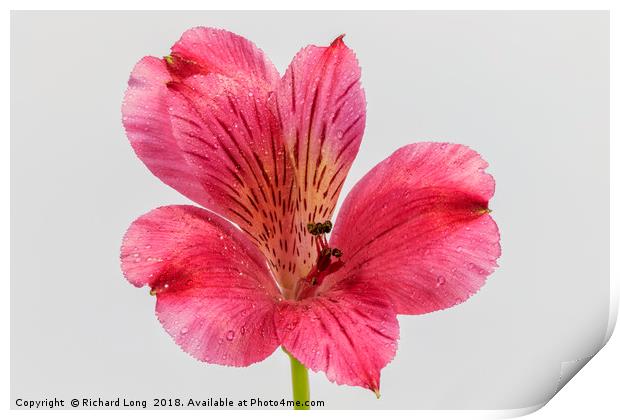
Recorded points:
(441,280)
(184,330)
(230,335)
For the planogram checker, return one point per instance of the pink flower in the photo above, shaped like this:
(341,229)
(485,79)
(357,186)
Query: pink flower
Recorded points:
(270,154)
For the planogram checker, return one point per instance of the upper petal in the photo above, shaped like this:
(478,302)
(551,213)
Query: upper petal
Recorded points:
(215,294)
(145,110)
(418,225)
(223,52)
(349,332)
(322,109)
(147,124)
(232,139)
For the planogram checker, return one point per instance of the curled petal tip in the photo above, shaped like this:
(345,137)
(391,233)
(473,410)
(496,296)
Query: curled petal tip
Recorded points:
(152,292)
(338,40)
(377,393)
(169,59)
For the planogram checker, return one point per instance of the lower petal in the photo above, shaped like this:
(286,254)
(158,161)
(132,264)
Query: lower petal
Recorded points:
(349,333)
(215,294)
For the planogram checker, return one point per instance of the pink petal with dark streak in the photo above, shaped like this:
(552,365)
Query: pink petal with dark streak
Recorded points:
(349,332)
(322,107)
(215,294)
(417,226)
(146,109)
(233,141)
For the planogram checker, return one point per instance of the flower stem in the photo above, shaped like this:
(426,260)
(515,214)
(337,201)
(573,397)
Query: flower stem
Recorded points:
(301,386)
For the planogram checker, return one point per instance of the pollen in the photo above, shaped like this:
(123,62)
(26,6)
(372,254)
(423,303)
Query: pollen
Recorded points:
(317,229)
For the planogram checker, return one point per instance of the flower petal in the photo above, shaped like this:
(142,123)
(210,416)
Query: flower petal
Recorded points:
(323,112)
(349,332)
(233,140)
(223,52)
(147,124)
(418,226)
(145,107)
(215,294)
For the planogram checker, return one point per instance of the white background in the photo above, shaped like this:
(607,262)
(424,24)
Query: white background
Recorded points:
(592,393)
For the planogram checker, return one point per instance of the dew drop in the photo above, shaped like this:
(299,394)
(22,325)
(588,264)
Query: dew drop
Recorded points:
(459,248)
(184,330)
(230,335)
(339,134)
(441,280)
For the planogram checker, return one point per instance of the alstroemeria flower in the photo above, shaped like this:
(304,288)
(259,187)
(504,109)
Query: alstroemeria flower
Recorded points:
(263,264)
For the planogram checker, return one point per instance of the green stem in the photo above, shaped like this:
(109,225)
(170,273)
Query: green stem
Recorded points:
(301,386)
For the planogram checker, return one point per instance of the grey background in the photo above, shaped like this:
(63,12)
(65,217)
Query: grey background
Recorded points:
(530,91)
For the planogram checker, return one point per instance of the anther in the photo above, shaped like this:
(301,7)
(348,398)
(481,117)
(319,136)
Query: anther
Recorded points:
(312,228)
(326,227)
(319,228)
(336,253)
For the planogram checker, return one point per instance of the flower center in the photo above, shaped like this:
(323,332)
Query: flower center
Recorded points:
(327,262)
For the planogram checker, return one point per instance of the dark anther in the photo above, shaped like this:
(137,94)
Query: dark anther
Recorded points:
(319,228)
(325,252)
(326,227)
(313,228)
(336,253)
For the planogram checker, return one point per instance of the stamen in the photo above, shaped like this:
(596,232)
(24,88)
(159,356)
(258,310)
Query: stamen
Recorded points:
(324,265)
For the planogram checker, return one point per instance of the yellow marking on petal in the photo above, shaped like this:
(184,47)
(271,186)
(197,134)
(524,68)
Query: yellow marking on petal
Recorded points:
(169,59)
